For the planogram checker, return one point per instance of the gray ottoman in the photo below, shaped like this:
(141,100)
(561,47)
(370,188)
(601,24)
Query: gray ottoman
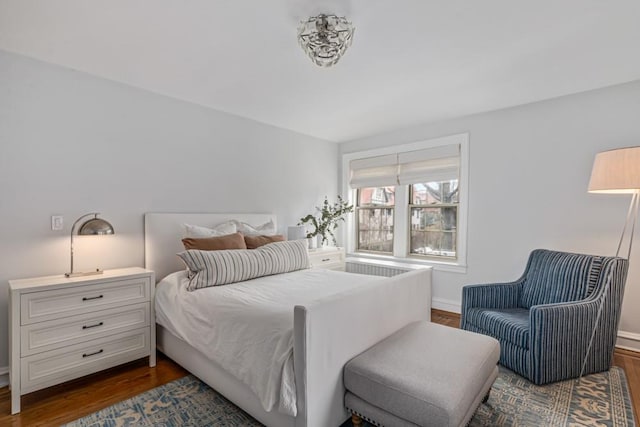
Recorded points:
(423,375)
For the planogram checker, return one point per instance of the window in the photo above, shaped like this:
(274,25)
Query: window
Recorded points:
(410,202)
(433,211)
(374,212)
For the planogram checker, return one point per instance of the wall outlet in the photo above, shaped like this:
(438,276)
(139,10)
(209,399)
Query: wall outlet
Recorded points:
(57,222)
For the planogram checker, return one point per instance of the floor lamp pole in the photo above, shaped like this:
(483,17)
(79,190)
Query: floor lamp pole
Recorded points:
(632,214)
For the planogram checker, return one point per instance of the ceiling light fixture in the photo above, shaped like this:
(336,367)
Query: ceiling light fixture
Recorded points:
(325,38)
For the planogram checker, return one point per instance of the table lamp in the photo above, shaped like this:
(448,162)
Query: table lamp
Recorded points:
(296,232)
(92,227)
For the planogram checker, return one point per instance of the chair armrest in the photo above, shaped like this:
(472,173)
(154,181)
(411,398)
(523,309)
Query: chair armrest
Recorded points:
(493,295)
(562,332)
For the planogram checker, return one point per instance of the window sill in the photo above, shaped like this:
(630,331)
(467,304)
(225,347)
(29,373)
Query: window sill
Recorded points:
(412,263)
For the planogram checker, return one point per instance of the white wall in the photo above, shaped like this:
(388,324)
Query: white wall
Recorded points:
(529,170)
(71,143)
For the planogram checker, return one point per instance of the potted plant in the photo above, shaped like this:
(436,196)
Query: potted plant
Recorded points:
(326,220)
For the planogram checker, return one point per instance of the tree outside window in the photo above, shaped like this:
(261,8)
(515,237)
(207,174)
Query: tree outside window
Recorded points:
(375,211)
(434,218)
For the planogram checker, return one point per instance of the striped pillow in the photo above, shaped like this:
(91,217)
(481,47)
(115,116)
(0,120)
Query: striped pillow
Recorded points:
(213,268)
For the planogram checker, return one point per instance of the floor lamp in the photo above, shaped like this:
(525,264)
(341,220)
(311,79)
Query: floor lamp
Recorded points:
(616,172)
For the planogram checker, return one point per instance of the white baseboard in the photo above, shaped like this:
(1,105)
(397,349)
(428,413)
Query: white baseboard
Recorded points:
(446,305)
(628,341)
(4,376)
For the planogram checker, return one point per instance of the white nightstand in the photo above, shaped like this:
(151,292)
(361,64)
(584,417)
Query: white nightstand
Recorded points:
(64,328)
(331,258)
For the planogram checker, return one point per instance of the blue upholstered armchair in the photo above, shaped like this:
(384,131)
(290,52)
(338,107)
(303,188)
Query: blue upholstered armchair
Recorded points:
(545,319)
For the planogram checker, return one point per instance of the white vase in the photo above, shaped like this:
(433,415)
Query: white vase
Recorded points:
(313,242)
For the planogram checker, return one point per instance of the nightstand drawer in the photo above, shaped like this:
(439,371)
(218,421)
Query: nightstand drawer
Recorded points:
(327,258)
(45,336)
(340,266)
(57,303)
(53,367)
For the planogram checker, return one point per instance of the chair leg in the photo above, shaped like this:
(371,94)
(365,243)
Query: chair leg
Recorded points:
(356,420)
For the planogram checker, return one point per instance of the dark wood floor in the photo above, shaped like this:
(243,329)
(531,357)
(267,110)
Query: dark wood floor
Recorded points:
(69,401)
(75,399)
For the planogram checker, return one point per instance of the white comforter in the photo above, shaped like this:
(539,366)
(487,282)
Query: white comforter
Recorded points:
(247,327)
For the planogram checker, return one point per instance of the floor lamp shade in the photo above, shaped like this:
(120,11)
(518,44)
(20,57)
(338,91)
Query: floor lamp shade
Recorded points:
(616,171)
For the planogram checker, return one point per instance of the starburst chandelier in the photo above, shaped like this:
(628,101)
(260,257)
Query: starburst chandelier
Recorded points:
(325,38)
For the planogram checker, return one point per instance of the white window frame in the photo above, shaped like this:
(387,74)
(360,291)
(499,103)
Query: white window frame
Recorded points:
(401,215)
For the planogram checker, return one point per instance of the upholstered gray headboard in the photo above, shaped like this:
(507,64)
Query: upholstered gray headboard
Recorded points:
(163,233)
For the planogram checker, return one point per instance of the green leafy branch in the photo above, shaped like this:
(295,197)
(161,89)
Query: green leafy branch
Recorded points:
(327,218)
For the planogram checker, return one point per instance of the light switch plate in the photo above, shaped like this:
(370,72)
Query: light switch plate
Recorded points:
(57,222)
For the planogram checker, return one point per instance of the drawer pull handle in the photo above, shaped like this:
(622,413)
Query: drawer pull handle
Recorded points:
(93,326)
(326,259)
(90,298)
(92,354)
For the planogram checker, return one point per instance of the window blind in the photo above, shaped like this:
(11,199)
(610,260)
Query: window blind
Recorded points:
(440,163)
(429,165)
(377,171)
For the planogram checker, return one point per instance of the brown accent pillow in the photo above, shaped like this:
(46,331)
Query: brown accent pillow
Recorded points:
(253,242)
(229,241)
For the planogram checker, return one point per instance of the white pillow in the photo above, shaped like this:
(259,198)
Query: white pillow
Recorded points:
(198,232)
(266,229)
(214,268)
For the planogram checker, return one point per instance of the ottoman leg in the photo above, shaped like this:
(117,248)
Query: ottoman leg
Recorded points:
(356,420)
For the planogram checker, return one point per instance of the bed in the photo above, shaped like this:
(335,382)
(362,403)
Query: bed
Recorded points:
(363,315)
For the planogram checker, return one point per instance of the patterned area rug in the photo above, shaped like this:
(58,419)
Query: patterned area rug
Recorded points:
(597,400)
(183,402)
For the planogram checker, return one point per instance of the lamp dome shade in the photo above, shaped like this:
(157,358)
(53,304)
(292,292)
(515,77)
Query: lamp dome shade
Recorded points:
(95,226)
(616,171)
